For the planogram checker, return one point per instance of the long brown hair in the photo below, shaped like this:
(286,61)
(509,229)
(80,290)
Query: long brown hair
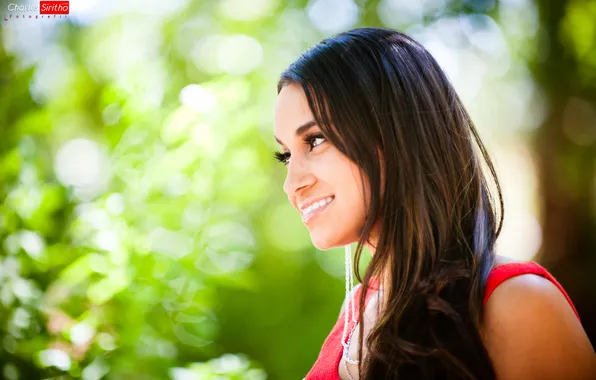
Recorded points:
(384,102)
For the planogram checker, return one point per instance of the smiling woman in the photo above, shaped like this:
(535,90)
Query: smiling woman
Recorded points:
(380,151)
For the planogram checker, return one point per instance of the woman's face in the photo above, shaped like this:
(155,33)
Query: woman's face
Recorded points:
(317,171)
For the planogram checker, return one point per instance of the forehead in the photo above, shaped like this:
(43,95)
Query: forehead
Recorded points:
(291,110)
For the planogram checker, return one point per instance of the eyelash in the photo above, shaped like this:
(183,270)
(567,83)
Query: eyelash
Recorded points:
(309,138)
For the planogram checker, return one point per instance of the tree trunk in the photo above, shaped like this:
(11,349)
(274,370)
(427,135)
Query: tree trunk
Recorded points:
(566,163)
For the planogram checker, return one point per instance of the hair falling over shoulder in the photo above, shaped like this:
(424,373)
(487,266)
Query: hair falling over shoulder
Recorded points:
(385,103)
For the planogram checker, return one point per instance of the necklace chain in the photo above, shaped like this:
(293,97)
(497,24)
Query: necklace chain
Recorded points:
(346,355)
(350,309)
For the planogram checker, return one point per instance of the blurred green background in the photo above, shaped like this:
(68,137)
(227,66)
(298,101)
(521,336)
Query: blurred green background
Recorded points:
(143,227)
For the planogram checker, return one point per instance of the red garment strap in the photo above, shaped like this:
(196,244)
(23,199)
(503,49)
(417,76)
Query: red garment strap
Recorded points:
(509,270)
(325,368)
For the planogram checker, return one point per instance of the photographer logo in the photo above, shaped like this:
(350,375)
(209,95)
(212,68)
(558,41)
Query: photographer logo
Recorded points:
(43,10)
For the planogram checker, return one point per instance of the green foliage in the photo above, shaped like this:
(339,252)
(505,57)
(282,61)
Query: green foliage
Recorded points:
(135,205)
(579,32)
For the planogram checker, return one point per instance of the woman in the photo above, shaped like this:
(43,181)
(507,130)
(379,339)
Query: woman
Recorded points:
(380,150)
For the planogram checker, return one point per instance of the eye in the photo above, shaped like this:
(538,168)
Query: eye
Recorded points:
(309,139)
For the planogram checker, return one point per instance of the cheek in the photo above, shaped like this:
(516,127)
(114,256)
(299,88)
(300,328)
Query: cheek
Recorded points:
(340,176)
(345,179)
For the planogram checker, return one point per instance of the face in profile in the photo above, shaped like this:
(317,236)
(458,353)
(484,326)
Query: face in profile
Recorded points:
(322,184)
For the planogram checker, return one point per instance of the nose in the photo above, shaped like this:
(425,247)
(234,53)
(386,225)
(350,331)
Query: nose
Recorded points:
(299,177)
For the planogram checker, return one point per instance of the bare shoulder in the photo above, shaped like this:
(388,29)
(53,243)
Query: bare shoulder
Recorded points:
(531,332)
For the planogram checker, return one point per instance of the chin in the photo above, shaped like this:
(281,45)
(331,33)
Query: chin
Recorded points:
(323,243)
(323,246)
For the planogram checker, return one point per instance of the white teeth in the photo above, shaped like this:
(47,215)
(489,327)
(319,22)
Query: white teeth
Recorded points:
(317,205)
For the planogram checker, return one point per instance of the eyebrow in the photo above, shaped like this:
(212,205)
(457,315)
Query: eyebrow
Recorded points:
(300,130)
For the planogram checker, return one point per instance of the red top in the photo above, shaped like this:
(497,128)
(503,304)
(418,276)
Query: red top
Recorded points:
(326,366)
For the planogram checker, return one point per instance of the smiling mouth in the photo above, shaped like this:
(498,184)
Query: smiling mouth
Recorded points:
(312,211)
